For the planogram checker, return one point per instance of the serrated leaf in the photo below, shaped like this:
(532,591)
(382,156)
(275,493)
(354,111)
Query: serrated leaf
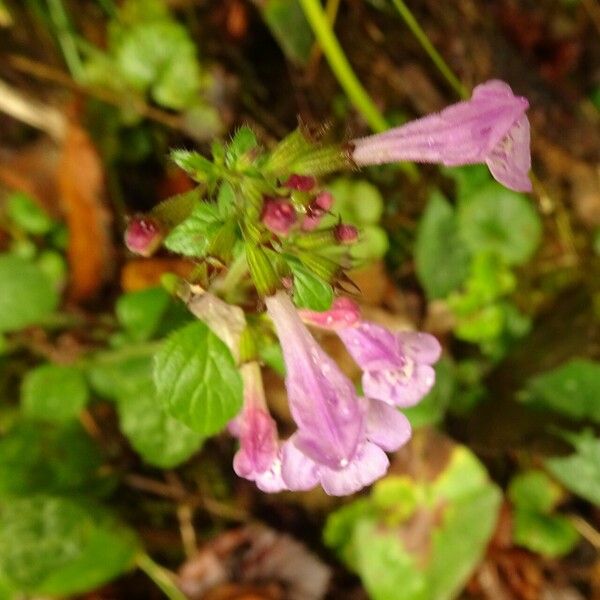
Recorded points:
(196,379)
(572,389)
(56,546)
(37,457)
(27,294)
(199,168)
(161,440)
(499,220)
(193,236)
(54,393)
(580,472)
(441,258)
(309,290)
(243,142)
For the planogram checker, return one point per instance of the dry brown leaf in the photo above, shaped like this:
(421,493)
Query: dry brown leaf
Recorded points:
(81,185)
(142,273)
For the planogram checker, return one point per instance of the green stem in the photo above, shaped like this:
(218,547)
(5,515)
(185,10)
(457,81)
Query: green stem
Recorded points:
(433,54)
(62,24)
(236,272)
(161,577)
(340,66)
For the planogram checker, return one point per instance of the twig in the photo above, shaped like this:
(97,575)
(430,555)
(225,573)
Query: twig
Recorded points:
(212,506)
(47,73)
(32,112)
(185,516)
(587,531)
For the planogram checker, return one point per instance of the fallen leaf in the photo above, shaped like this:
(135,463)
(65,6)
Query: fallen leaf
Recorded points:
(81,186)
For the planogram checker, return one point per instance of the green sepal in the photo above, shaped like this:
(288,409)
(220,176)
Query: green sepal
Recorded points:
(316,239)
(222,244)
(176,209)
(287,151)
(321,161)
(196,166)
(262,271)
(322,267)
(248,350)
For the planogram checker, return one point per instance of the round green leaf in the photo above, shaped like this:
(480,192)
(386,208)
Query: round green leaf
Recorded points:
(56,546)
(196,379)
(27,294)
(160,439)
(54,393)
(499,220)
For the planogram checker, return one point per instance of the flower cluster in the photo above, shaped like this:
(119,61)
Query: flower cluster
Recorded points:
(341,437)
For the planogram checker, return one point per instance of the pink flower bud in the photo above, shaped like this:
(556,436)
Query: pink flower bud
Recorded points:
(143,235)
(316,210)
(302,183)
(278,215)
(345,234)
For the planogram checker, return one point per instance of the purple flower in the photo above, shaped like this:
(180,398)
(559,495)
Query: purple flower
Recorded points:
(396,366)
(258,456)
(341,437)
(316,210)
(491,127)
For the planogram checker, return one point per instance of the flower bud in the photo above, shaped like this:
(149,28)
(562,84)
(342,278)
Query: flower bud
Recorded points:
(278,215)
(345,234)
(316,209)
(302,183)
(143,235)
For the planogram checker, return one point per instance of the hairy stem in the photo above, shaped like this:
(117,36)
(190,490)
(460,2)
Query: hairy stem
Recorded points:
(161,577)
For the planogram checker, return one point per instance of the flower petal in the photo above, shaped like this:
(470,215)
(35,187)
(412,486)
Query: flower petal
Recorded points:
(299,472)
(510,160)
(371,346)
(369,464)
(421,347)
(387,427)
(399,387)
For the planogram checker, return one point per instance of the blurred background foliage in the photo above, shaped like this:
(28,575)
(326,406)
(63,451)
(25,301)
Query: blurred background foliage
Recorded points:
(498,494)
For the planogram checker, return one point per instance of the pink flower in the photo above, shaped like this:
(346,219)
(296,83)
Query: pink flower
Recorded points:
(491,127)
(341,437)
(396,366)
(316,210)
(302,183)
(258,456)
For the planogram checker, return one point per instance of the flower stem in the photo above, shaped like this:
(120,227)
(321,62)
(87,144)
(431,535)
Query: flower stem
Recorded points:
(64,33)
(340,66)
(433,54)
(161,577)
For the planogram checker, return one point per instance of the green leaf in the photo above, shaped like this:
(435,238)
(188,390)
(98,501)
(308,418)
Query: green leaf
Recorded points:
(580,472)
(572,389)
(535,491)
(27,294)
(54,393)
(357,201)
(372,244)
(289,27)
(498,220)
(242,143)
(441,258)
(37,457)
(140,313)
(192,237)
(161,440)
(196,379)
(56,546)
(310,291)
(159,57)
(121,377)
(27,214)
(549,535)
(436,518)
